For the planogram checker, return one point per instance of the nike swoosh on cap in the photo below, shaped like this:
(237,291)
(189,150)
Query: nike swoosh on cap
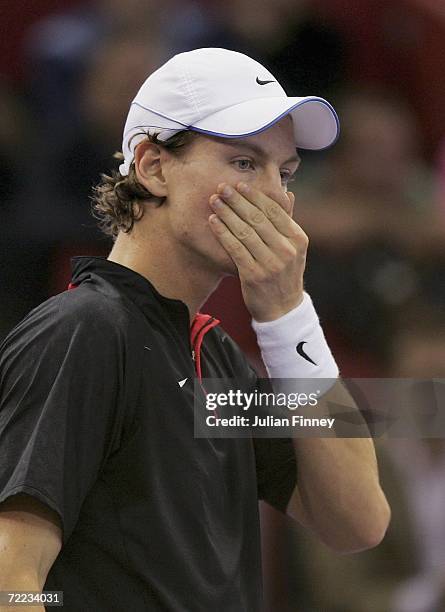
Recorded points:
(300,351)
(260,82)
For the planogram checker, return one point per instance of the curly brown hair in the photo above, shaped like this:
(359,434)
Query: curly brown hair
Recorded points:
(117,201)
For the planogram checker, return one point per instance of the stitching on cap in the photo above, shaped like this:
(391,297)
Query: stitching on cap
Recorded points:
(190,93)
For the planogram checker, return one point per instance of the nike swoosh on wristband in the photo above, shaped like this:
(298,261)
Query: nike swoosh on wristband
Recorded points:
(300,351)
(260,82)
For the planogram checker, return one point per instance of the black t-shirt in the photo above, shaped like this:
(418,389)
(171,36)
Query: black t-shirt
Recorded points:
(94,424)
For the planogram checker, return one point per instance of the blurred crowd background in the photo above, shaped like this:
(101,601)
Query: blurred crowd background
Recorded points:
(373,207)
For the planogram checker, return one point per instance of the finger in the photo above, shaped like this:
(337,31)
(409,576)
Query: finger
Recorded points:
(267,217)
(245,233)
(280,196)
(291,197)
(287,206)
(234,248)
(272,210)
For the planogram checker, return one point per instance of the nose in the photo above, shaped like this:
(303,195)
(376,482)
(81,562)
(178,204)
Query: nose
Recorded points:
(270,183)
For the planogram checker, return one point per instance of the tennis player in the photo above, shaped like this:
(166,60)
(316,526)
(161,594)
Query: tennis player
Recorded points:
(106,494)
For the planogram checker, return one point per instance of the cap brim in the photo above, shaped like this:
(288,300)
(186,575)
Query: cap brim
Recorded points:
(315,121)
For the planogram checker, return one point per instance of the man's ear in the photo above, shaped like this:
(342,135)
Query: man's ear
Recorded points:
(148,167)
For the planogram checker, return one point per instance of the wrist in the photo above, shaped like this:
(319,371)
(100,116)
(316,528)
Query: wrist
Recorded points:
(271,316)
(294,345)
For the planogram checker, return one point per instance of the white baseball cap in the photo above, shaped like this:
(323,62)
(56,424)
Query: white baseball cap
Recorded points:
(221,93)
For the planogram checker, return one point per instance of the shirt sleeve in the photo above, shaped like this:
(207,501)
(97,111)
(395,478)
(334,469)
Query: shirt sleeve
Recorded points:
(61,382)
(276,470)
(276,466)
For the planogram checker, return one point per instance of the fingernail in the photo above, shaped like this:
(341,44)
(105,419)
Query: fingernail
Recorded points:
(227,191)
(243,187)
(217,203)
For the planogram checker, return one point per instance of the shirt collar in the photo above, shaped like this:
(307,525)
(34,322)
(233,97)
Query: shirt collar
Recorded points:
(135,286)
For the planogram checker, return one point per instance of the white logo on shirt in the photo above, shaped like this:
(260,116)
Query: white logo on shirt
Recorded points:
(181,383)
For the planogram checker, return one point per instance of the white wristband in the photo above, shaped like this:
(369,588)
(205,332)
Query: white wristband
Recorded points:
(294,345)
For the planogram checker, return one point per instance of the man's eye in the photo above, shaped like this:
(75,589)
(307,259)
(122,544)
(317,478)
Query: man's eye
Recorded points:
(287,178)
(244,164)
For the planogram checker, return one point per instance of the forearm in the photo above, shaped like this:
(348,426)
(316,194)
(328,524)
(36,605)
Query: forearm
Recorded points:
(338,486)
(338,493)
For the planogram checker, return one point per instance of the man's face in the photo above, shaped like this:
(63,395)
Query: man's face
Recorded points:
(266,161)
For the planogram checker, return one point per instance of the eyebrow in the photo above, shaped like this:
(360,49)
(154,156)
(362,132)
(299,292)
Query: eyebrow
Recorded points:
(259,151)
